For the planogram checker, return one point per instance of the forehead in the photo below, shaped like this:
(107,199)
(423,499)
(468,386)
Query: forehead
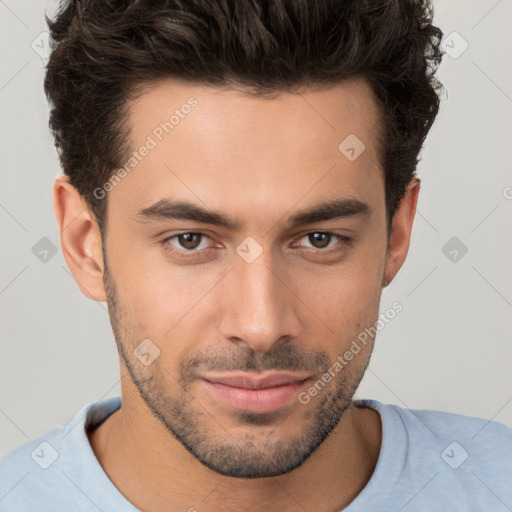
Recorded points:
(315,115)
(222,146)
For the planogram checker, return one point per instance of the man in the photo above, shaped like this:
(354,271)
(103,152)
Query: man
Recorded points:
(239,187)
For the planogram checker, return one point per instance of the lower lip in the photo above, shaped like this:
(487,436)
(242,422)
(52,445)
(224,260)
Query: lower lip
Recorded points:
(255,400)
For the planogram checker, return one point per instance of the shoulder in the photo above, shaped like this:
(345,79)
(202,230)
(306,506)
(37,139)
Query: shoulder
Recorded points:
(41,452)
(487,439)
(441,423)
(449,423)
(41,474)
(453,455)
(31,474)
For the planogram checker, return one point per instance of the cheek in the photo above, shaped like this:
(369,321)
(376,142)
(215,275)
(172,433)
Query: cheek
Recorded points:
(345,301)
(347,315)
(161,298)
(350,289)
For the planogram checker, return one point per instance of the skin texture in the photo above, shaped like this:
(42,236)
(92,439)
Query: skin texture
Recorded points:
(172,445)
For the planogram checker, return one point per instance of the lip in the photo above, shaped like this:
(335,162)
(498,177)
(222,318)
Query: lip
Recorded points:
(251,381)
(255,393)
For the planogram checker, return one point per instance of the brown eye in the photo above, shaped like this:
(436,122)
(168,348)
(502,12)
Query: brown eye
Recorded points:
(324,242)
(320,240)
(187,242)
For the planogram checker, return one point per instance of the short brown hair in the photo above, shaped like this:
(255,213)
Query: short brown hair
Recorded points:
(103,50)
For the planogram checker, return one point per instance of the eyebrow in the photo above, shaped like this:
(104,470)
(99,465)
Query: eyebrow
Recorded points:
(168,209)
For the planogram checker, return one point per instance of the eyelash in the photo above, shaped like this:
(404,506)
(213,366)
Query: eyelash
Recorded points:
(192,253)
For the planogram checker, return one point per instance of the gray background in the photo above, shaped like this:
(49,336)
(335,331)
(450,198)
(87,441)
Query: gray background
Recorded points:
(449,349)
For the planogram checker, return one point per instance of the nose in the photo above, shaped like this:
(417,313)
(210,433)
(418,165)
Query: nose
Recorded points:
(259,306)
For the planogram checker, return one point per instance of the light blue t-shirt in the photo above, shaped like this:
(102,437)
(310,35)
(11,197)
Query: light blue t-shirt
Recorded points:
(429,461)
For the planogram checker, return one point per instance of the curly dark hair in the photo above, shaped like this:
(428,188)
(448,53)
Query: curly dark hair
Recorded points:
(105,51)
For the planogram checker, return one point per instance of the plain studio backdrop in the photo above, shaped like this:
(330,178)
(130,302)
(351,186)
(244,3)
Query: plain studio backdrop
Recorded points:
(450,347)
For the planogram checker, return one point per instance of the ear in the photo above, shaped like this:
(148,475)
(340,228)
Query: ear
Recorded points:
(80,239)
(401,230)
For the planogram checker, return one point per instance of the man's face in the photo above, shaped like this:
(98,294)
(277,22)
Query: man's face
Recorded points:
(265,296)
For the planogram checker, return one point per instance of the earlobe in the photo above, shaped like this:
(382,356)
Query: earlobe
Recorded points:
(80,239)
(401,230)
